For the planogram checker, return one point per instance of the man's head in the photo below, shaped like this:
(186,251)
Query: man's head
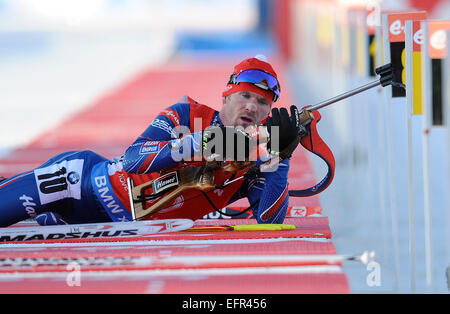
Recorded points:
(249,94)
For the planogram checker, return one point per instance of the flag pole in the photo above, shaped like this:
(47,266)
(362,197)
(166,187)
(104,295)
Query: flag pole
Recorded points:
(409,106)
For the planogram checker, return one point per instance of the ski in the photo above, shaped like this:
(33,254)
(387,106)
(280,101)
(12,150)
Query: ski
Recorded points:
(96,230)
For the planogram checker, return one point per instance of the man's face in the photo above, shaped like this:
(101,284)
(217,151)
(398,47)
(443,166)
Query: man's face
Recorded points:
(244,109)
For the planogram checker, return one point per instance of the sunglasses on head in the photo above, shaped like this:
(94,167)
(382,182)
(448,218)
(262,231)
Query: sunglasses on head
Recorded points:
(259,78)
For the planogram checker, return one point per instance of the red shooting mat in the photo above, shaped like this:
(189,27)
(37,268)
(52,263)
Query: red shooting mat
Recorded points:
(309,281)
(168,255)
(173,248)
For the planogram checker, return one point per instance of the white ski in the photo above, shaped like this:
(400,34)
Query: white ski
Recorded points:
(96,230)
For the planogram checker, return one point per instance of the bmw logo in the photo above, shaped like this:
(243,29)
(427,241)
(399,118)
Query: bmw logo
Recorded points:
(73,177)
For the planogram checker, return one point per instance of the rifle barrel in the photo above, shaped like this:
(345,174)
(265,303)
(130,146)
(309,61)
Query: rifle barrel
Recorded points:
(344,95)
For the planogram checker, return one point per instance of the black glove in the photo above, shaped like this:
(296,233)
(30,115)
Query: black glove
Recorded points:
(226,142)
(288,130)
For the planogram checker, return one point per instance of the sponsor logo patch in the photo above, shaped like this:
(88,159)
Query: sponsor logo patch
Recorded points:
(150,147)
(165,182)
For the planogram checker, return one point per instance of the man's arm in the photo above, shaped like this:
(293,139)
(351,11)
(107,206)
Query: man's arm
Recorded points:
(164,143)
(271,189)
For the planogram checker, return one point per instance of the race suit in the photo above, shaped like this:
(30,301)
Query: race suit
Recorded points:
(84,187)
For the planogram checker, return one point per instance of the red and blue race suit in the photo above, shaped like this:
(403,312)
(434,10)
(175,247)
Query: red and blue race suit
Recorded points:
(83,187)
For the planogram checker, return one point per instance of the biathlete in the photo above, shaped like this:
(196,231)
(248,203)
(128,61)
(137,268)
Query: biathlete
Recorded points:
(84,187)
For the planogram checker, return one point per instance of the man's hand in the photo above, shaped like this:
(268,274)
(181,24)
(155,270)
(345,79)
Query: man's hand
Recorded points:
(226,142)
(283,129)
